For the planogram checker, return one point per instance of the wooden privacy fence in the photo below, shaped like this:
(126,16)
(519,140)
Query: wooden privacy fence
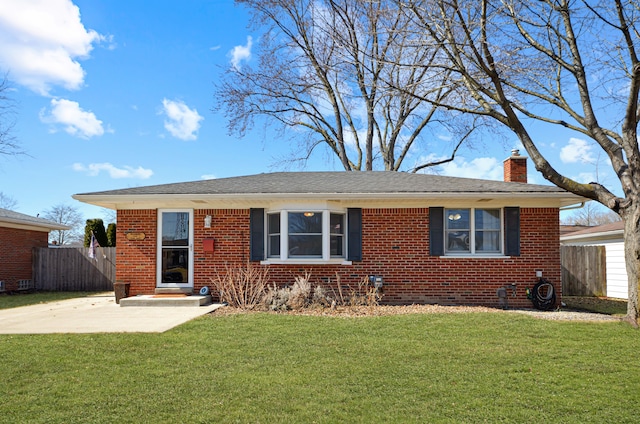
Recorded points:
(71,269)
(584,270)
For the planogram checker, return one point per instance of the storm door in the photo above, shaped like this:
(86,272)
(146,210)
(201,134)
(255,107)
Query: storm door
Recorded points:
(175,248)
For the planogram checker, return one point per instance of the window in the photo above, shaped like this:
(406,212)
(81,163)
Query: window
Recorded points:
(273,234)
(473,231)
(336,234)
(305,234)
(313,235)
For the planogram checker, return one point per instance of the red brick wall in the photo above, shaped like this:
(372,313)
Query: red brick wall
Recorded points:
(16,254)
(136,259)
(395,246)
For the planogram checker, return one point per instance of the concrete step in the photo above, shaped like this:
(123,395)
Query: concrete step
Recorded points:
(160,300)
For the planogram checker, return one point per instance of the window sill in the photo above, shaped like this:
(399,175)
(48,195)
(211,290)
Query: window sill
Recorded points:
(276,261)
(460,256)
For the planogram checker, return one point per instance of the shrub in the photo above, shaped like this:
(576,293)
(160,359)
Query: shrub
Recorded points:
(322,297)
(299,296)
(242,287)
(276,299)
(364,294)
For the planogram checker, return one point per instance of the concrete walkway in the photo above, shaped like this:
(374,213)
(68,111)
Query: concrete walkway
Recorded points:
(96,314)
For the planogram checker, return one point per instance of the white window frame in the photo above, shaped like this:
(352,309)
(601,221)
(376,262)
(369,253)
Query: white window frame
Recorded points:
(472,234)
(326,257)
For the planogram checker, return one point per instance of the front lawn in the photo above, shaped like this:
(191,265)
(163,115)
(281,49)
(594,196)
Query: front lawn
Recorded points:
(265,368)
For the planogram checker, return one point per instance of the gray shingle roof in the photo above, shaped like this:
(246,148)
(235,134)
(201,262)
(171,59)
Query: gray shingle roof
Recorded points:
(613,227)
(23,219)
(373,182)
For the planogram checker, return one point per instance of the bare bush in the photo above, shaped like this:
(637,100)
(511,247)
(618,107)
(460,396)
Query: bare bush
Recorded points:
(242,287)
(364,294)
(300,295)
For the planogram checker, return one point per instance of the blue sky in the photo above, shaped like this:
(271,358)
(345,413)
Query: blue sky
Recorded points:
(114,94)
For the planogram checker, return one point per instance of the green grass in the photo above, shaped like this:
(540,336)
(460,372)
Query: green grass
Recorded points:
(262,368)
(24,299)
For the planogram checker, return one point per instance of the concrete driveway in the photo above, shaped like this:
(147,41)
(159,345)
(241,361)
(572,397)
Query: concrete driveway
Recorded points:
(96,314)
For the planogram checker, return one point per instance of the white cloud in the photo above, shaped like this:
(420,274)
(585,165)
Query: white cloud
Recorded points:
(577,151)
(208,177)
(241,53)
(76,121)
(181,122)
(480,168)
(93,169)
(585,177)
(42,41)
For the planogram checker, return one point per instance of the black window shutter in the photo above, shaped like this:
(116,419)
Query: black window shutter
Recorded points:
(436,231)
(512,231)
(354,239)
(256,240)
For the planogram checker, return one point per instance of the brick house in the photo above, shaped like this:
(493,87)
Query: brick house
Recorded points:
(432,239)
(19,235)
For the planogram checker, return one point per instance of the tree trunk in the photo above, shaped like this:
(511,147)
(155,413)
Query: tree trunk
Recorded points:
(632,256)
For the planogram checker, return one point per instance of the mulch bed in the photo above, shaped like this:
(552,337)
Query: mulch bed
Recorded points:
(384,310)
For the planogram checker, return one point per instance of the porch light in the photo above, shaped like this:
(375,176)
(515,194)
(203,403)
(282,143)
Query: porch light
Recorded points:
(309,214)
(207,221)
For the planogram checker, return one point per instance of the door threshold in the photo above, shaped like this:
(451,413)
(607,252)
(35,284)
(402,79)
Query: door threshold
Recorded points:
(174,290)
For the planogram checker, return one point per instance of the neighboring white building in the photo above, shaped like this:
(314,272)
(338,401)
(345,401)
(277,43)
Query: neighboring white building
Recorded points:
(611,236)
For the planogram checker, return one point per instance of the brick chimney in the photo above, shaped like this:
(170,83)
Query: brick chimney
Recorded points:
(515,168)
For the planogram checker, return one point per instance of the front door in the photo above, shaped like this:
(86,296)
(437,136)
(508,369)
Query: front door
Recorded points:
(175,249)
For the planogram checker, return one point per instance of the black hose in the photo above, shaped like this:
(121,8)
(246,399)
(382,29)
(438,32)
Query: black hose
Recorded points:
(543,295)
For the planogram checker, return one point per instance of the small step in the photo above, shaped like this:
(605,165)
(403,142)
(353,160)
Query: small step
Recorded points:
(165,300)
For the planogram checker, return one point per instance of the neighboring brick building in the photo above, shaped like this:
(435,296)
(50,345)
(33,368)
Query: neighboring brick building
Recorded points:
(19,234)
(432,239)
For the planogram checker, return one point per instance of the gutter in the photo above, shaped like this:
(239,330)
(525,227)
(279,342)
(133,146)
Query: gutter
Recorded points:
(570,207)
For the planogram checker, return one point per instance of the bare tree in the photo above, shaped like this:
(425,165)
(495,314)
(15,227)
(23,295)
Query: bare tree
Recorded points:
(569,63)
(7,202)
(8,143)
(592,214)
(327,74)
(69,216)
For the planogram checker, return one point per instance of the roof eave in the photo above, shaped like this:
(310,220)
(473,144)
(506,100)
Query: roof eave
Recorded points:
(593,236)
(112,201)
(33,226)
